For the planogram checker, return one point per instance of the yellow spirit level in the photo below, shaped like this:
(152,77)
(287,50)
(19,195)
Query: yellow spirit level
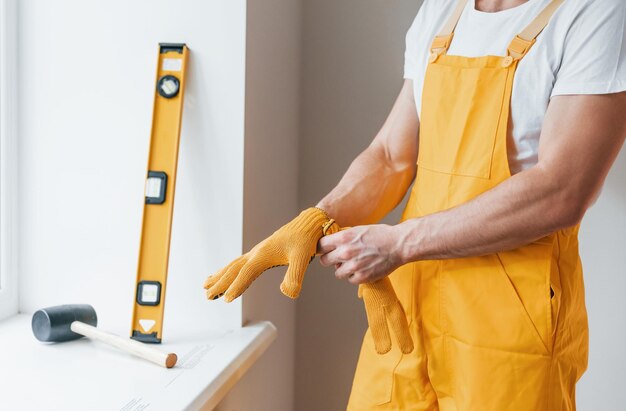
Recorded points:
(156,229)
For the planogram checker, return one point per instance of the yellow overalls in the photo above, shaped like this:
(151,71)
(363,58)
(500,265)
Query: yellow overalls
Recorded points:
(506,331)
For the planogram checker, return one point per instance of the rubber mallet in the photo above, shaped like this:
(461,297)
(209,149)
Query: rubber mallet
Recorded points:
(70,322)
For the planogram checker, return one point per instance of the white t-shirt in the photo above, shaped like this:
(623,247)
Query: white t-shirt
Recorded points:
(581,51)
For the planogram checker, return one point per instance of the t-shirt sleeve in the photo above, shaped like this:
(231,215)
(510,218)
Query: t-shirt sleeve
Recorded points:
(413,44)
(594,55)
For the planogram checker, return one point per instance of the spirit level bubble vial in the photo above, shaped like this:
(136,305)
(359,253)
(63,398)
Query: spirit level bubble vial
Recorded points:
(154,248)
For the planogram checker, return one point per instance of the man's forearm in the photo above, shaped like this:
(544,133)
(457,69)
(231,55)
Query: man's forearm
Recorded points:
(524,208)
(574,159)
(369,190)
(575,156)
(380,176)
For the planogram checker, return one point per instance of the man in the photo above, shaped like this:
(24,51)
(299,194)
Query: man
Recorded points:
(510,117)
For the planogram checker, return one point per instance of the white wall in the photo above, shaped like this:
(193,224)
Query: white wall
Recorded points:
(8,161)
(603,251)
(352,71)
(86,91)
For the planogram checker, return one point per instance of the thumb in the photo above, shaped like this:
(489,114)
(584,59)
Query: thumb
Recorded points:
(292,283)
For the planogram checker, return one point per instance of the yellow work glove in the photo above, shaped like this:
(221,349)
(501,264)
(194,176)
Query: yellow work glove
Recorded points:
(384,311)
(294,245)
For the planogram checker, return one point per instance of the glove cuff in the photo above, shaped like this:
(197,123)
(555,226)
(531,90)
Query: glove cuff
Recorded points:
(315,221)
(330,226)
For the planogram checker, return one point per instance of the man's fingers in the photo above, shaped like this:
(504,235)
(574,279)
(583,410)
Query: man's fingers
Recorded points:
(292,283)
(335,256)
(328,243)
(357,278)
(400,326)
(225,280)
(248,273)
(378,326)
(345,271)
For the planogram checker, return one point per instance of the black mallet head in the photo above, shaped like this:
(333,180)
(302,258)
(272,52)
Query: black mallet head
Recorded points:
(52,324)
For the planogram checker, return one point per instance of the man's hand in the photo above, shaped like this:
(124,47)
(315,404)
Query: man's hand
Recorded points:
(384,311)
(293,244)
(363,254)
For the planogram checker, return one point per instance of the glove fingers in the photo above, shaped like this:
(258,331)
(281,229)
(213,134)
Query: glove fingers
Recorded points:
(212,279)
(378,327)
(400,326)
(382,291)
(249,272)
(228,275)
(292,283)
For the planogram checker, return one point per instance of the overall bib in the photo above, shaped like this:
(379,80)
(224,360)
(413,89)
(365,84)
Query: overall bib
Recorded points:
(506,331)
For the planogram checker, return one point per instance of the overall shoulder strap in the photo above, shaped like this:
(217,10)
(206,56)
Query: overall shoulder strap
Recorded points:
(442,41)
(453,20)
(526,38)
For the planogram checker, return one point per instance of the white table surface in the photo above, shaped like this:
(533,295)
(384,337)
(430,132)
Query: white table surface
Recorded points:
(88,375)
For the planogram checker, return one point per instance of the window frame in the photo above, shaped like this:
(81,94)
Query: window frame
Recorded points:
(9,292)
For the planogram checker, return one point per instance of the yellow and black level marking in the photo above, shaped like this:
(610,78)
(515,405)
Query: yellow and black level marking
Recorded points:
(154,248)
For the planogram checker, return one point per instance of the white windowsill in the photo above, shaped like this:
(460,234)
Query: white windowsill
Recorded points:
(83,374)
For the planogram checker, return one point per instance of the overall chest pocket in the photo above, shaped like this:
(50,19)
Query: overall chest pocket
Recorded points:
(462,108)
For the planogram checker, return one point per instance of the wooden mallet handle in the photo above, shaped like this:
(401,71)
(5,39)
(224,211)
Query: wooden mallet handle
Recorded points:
(137,348)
